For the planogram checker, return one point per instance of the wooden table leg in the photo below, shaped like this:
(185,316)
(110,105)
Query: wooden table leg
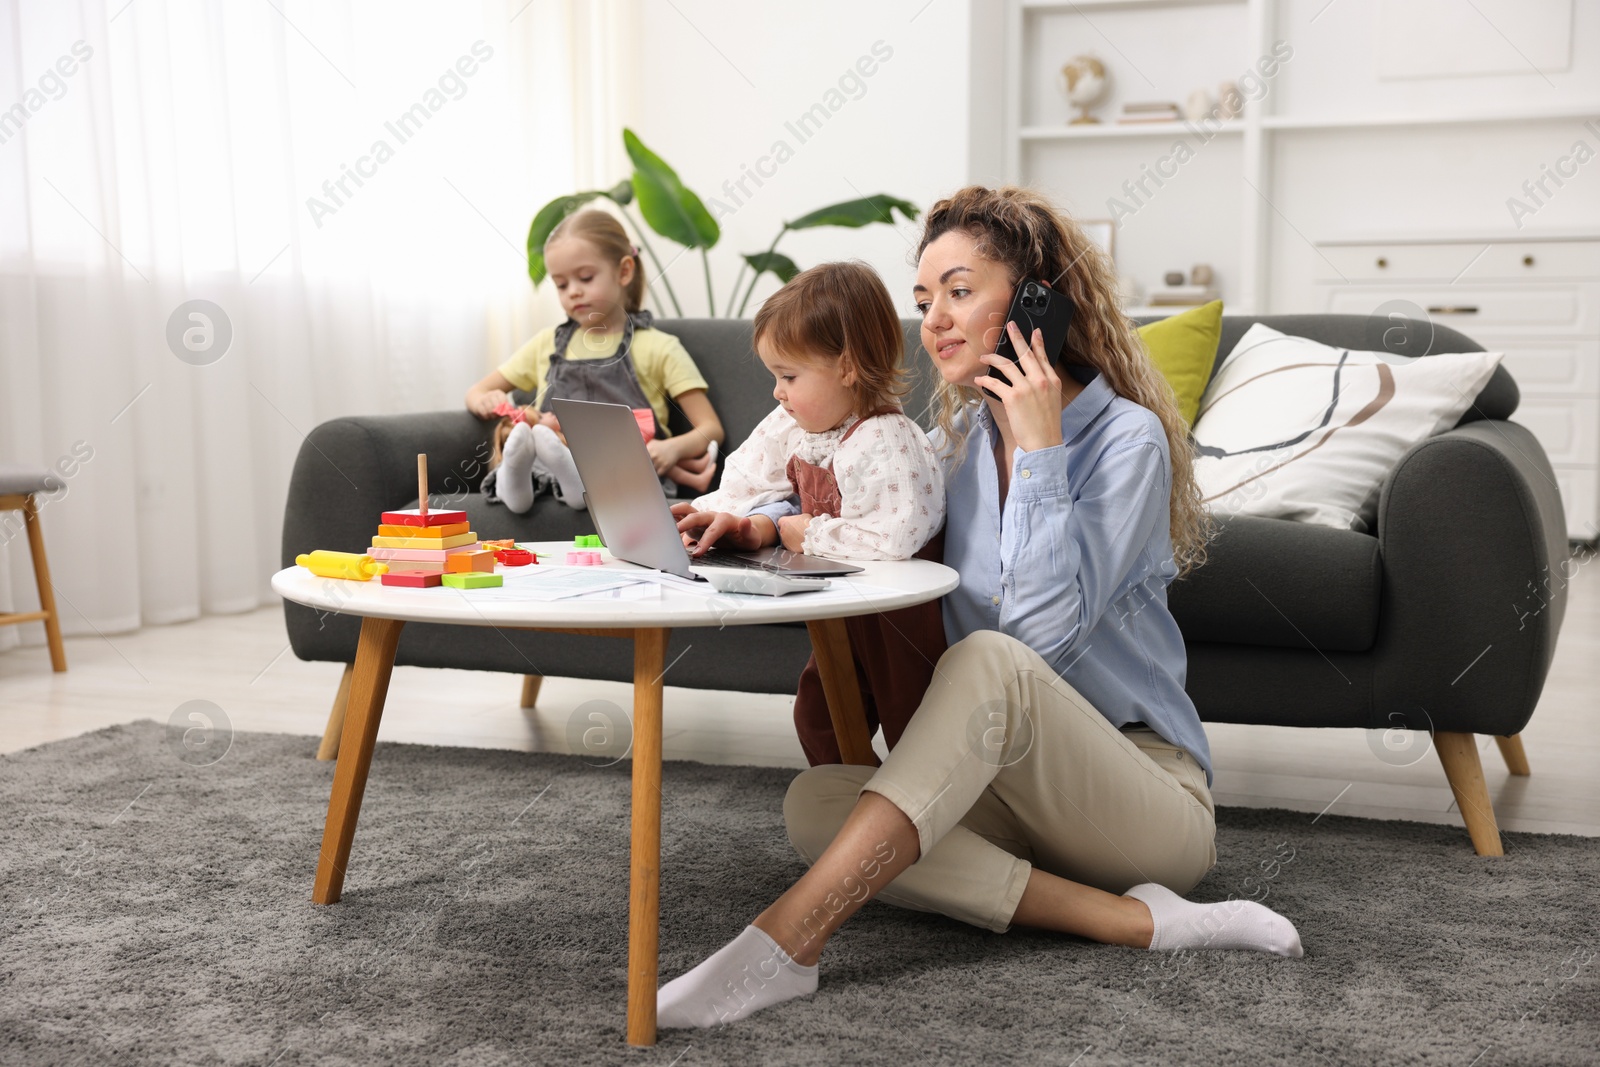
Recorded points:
(369,686)
(837,668)
(334,730)
(644,886)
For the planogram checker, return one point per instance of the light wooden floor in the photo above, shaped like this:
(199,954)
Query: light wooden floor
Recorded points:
(242,664)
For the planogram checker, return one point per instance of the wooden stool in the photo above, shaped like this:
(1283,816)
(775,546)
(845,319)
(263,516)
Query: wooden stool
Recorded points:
(17,486)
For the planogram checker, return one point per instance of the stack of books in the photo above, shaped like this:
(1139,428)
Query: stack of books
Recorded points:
(1159,111)
(1182,295)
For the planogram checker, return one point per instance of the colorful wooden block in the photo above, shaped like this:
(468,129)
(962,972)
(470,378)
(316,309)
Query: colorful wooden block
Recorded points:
(433,555)
(584,559)
(412,517)
(412,565)
(387,530)
(414,579)
(473,581)
(469,563)
(468,538)
(514,557)
(499,542)
(587,541)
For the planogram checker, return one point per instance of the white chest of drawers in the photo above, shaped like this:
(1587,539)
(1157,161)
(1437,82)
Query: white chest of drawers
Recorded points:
(1537,299)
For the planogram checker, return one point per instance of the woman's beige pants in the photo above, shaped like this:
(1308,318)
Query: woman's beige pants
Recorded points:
(1005,767)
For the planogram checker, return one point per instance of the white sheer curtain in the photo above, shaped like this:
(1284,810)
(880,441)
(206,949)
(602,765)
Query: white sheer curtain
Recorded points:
(349,182)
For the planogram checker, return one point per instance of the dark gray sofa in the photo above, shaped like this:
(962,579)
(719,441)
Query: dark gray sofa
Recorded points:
(1286,624)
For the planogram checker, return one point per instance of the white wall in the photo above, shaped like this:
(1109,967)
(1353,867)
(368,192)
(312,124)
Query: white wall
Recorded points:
(720,80)
(1352,60)
(1335,183)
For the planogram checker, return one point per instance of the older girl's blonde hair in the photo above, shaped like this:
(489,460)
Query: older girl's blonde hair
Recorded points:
(1022,231)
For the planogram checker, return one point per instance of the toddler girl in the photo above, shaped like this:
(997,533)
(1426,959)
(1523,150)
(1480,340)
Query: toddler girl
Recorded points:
(867,483)
(605,351)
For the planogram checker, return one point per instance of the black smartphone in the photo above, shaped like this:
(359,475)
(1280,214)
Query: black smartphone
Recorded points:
(1036,306)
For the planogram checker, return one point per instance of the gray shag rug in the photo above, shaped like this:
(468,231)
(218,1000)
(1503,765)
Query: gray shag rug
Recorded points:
(159,912)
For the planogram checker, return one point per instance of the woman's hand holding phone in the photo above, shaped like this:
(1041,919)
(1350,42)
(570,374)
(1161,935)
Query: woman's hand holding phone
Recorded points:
(1032,398)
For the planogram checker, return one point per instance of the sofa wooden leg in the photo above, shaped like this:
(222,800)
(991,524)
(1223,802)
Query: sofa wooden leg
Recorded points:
(329,749)
(1459,754)
(1516,759)
(530,689)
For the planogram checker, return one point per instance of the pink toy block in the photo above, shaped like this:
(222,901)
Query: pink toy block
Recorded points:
(433,555)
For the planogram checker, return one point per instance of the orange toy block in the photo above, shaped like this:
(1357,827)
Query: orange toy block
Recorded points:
(470,562)
(387,530)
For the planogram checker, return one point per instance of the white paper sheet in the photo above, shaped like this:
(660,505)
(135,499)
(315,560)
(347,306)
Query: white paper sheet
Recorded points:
(544,582)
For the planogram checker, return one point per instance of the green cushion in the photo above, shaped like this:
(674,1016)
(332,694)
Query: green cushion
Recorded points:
(1183,348)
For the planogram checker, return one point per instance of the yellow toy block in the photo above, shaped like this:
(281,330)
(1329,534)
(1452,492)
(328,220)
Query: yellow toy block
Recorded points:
(425,542)
(431,532)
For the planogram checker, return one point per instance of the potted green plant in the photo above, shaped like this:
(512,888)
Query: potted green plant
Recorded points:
(673,211)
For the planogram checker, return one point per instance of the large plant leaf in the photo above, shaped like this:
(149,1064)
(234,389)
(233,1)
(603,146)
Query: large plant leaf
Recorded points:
(776,262)
(552,213)
(857,213)
(622,192)
(667,206)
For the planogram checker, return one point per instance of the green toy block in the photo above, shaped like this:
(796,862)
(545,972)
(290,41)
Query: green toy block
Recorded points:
(587,541)
(472,580)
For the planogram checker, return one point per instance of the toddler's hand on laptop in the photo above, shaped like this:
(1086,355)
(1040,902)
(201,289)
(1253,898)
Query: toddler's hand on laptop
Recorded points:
(703,529)
(792,531)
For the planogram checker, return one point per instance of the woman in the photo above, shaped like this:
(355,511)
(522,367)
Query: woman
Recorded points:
(1055,774)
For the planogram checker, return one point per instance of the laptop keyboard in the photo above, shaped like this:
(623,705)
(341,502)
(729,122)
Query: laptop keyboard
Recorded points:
(717,557)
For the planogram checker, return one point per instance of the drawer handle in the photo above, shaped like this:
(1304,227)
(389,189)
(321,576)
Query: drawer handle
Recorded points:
(1453,309)
(1527,261)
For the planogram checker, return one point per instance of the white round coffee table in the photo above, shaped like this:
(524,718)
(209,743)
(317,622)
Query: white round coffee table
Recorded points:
(385,610)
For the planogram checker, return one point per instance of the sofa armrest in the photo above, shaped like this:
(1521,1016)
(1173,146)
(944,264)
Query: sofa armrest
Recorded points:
(1472,538)
(350,470)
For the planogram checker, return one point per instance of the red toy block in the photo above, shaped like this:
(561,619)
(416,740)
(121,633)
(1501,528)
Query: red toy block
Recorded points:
(411,517)
(415,579)
(513,557)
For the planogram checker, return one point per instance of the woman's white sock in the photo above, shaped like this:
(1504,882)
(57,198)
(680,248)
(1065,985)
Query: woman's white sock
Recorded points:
(558,458)
(1241,924)
(747,974)
(514,484)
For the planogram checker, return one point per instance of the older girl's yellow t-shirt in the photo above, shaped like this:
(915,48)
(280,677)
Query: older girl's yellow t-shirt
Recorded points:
(664,366)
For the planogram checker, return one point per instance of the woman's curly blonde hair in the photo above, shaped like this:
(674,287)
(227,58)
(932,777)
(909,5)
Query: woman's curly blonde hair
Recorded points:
(1022,231)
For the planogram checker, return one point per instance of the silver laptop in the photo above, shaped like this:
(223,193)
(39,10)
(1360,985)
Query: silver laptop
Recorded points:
(632,514)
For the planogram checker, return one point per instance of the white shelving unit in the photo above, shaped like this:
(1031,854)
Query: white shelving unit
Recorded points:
(1228,203)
